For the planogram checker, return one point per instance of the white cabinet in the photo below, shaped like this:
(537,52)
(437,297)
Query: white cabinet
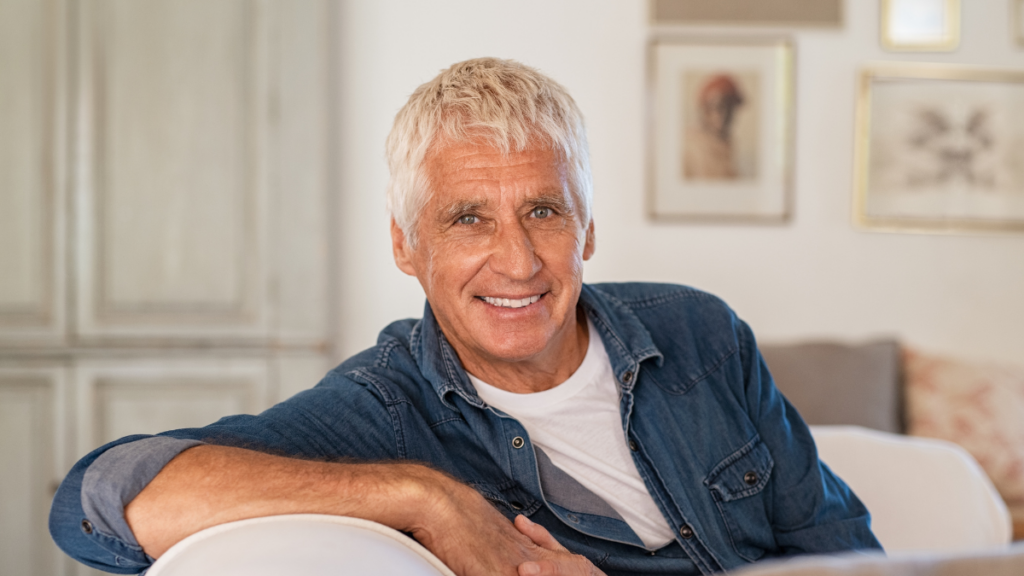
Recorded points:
(164,240)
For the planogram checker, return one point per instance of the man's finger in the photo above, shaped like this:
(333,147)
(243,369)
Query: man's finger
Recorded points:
(565,567)
(539,534)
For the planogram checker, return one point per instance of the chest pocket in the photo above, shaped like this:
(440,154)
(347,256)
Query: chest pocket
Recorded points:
(737,485)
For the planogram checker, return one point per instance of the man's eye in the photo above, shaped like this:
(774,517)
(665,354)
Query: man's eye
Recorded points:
(467,219)
(541,212)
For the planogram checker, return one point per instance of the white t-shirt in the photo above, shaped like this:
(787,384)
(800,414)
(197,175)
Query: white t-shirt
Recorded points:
(578,425)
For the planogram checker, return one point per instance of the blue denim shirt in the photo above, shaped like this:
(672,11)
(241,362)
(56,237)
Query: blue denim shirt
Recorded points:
(728,461)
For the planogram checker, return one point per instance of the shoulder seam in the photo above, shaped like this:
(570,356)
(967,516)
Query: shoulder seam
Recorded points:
(384,354)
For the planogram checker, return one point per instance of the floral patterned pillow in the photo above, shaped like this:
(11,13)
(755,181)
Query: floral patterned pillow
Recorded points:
(977,405)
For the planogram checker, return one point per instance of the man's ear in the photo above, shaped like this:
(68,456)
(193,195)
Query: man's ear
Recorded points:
(590,244)
(401,249)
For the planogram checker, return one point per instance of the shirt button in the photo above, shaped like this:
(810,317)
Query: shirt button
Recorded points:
(518,442)
(516,505)
(750,478)
(633,446)
(572,518)
(686,532)
(627,377)
(652,553)
(86,526)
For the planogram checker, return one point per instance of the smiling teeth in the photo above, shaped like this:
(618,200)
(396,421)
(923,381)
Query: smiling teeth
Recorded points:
(507,303)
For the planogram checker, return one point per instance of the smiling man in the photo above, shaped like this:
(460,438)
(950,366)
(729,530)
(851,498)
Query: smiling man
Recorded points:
(528,424)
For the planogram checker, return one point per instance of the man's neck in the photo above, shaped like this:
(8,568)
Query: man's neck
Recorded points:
(539,373)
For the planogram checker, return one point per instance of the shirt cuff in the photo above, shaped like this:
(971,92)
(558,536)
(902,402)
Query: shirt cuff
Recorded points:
(117,477)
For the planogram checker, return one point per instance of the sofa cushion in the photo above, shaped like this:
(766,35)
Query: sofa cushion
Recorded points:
(832,383)
(978,405)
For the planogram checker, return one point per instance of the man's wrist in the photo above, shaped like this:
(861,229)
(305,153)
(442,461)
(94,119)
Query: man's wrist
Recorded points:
(414,496)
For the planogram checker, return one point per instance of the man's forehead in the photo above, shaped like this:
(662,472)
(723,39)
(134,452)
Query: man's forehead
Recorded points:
(481,175)
(447,158)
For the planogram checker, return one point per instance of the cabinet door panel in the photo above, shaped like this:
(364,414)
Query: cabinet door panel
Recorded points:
(27,445)
(27,207)
(173,211)
(146,396)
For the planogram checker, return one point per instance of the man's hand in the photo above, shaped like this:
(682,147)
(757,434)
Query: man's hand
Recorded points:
(472,538)
(559,561)
(468,534)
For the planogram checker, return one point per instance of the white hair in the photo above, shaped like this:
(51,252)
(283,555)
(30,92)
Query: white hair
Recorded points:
(501,103)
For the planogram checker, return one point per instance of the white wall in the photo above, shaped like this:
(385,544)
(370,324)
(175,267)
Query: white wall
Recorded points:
(816,276)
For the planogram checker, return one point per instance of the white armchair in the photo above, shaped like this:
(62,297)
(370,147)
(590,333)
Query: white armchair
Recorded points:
(309,544)
(923,494)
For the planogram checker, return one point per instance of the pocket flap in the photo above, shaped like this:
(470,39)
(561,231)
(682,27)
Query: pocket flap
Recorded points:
(744,473)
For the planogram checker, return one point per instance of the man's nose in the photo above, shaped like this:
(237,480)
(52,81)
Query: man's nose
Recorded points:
(513,253)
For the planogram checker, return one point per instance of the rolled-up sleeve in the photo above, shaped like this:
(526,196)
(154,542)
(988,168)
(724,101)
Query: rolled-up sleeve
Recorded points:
(117,477)
(87,517)
(337,419)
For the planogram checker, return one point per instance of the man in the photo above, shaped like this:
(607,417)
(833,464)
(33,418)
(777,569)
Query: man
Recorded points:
(626,428)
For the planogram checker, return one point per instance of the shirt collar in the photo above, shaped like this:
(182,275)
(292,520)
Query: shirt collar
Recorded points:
(626,339)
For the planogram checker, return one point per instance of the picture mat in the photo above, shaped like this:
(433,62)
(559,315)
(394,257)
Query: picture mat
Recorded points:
(905,182)
(760,12)
(763,197)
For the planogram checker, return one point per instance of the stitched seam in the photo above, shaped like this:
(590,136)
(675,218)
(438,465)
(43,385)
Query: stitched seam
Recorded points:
(384,356)
(740,453)
(686,388)
(619,344)
(697,558)
(391,403)
(445,421)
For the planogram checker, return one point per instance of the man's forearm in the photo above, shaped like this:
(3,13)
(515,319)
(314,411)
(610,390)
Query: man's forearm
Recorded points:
(209,485)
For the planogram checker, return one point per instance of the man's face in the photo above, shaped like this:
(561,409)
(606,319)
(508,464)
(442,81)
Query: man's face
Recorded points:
(500,253)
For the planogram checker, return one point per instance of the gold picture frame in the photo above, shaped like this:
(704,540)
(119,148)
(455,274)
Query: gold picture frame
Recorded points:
(1017,21)
(938,149)
(720,129)
(920,25)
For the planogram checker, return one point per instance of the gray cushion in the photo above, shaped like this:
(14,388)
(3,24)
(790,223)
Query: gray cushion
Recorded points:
(832,383)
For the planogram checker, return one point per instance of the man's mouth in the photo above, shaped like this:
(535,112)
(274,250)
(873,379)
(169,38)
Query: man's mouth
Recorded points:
(511,302)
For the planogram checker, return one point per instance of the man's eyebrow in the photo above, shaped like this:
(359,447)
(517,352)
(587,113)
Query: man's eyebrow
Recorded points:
(458,208)
(556,201)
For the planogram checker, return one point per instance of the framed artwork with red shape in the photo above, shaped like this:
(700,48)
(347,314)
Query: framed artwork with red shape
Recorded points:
(720,129)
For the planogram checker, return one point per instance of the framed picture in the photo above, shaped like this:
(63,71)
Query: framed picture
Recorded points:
(816,13)
(920,25)
(720,130)
(939,148)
